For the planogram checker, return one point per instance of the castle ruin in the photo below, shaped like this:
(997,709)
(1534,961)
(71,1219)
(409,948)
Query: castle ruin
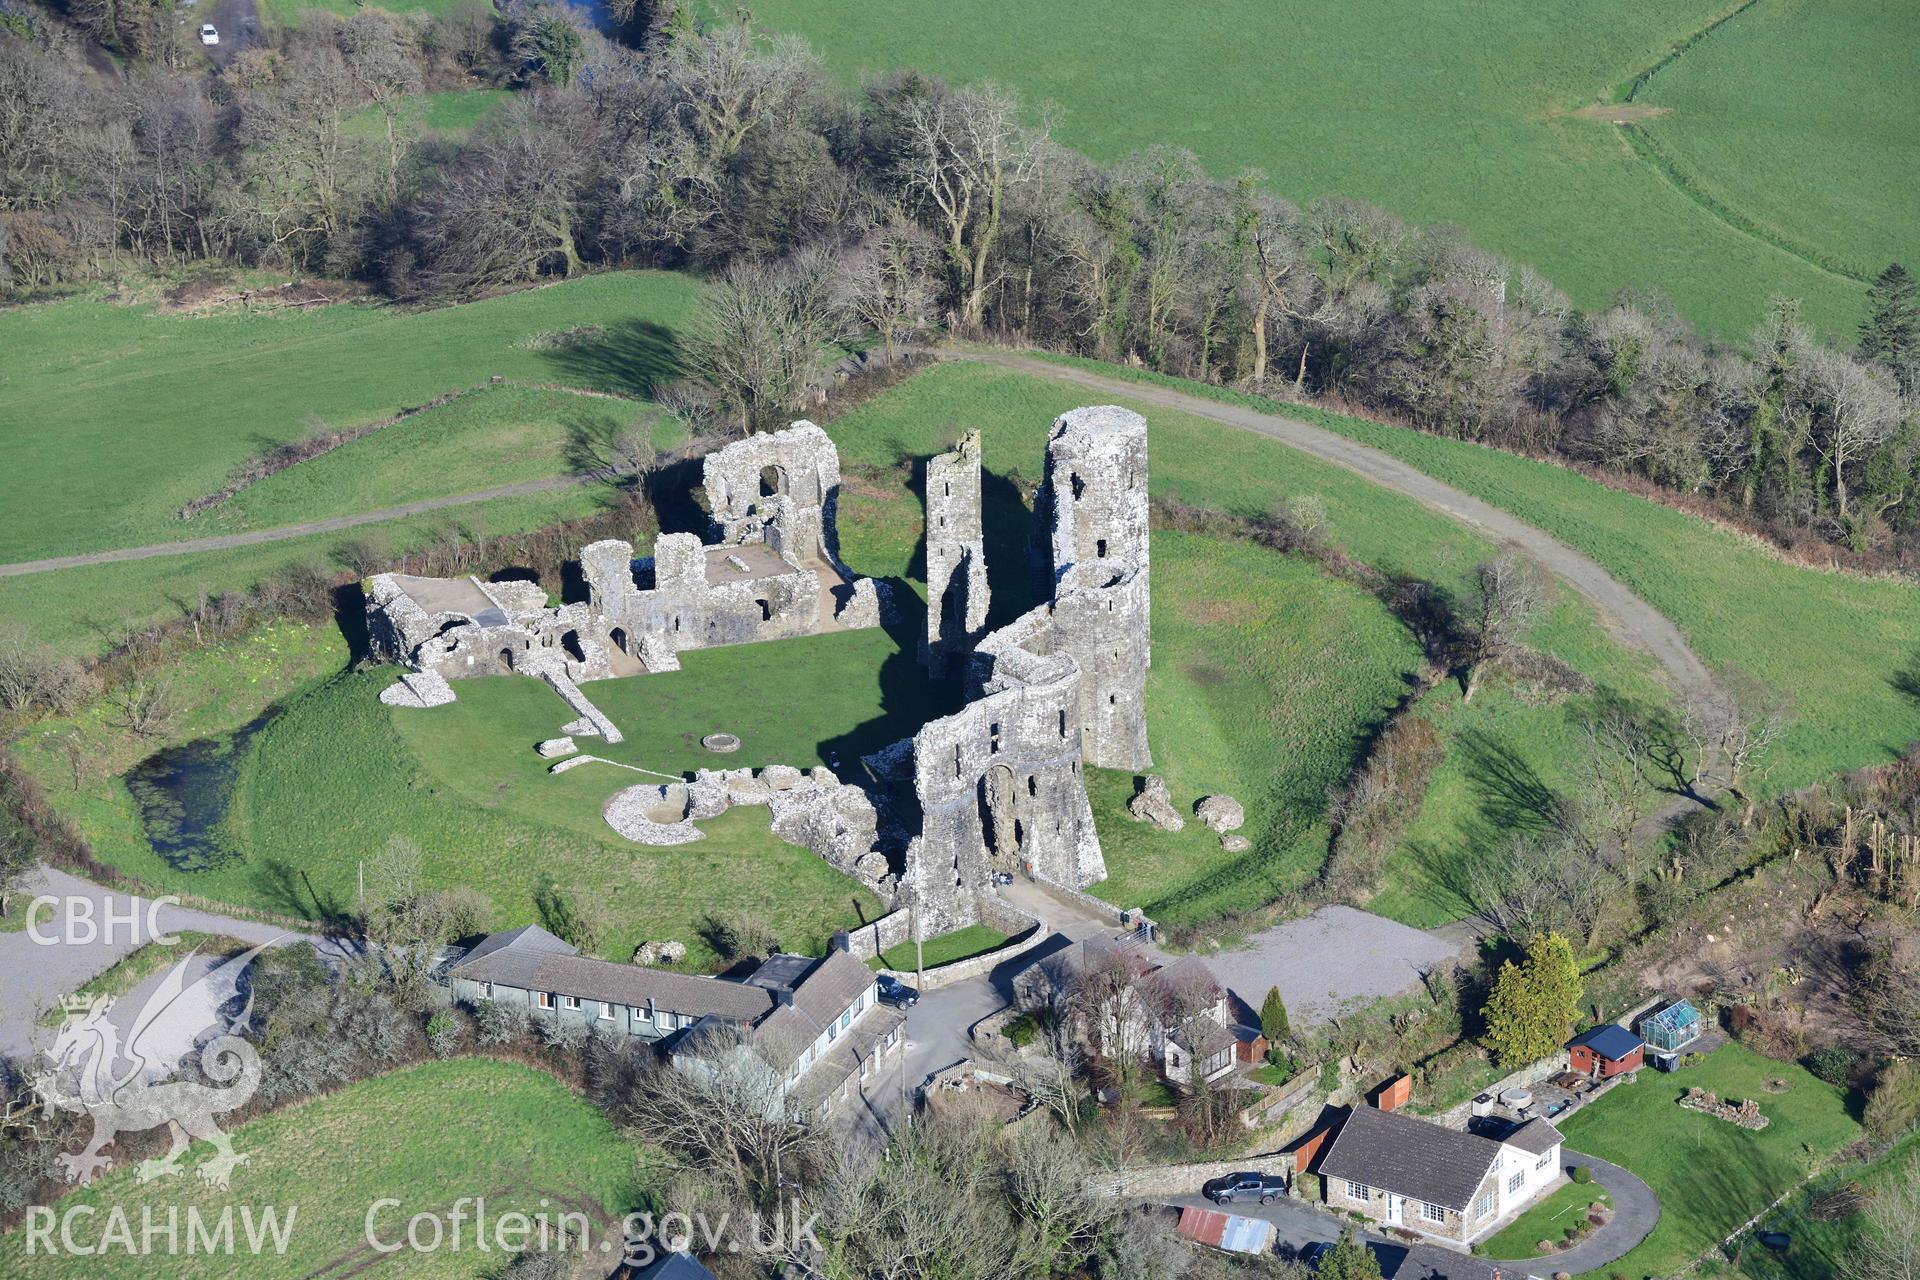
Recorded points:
(997,787)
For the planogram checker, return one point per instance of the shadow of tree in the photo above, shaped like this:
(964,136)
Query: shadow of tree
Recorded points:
(635,357)
(1906,681)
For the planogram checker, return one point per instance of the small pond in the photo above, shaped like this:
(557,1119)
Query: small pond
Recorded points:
(183,793)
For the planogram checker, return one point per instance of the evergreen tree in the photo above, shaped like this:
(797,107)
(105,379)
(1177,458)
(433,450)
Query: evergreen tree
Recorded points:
(1890,335)
(1349,1260)
(1273,1018)
(1535,1002)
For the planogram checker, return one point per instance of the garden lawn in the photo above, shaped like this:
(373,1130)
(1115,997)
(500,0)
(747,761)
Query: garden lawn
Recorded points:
(961,944)
(1710,1175)
(1547,1220)
(428,1134)
(114,416)
(1457,114)
(1268,676)
(1834,645)
(445,113)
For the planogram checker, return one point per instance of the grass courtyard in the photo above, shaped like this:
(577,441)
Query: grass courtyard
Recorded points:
(282,818)
(1710,1175)
(1471,116)
(431,1133)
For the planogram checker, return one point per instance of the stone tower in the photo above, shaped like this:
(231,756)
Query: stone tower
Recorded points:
(956,557)
(1092,514)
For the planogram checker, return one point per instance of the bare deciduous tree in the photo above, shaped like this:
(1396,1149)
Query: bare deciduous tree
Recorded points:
(889,282)
(1889,1249)
(760,342)
(1507,593)
(960,154)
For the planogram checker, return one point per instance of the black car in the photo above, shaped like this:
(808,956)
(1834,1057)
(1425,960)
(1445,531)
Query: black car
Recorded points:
(897,993)
(1313,1253)
(1264,1187)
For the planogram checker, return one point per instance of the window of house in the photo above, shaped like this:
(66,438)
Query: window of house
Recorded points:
(1518,1180)
(569,1002)
(1543,1161)
(1433,1212)
(606,1010)
(1485,1206)
(486,991)
(546,999)
(846,1020)
(1358,1190)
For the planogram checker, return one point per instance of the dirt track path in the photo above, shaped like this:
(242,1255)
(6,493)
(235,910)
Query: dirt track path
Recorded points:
(281,534)
(1629,618)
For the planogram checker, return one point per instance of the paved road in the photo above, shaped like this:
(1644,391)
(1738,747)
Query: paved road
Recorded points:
(258,536)
(1626,614)
(39,974)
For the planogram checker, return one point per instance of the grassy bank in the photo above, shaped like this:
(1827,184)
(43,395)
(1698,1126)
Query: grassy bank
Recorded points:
(431,1133)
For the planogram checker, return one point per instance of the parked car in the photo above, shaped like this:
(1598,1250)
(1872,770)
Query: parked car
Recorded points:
(1264,1187)
(208,35)
(1311,1256)
(897,993)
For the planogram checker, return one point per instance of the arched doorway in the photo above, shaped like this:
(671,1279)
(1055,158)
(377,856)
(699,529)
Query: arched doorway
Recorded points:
(571,643)
(506,659)
(619,637)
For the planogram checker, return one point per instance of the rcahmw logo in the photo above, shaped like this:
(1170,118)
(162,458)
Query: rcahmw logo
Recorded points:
(85,1231)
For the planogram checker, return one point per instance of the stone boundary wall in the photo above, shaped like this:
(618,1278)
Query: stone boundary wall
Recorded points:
(1456,1117)
(1129,917)
(1284,1101)
(570,693)
(889,931)
(1185,1179)
(997,913)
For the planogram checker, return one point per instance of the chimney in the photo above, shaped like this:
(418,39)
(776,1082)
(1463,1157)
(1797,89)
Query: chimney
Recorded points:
(842,941)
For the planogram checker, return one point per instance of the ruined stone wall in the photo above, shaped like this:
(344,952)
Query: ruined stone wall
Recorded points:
(744,479)
(999,784)
(1092,512)
(956,557)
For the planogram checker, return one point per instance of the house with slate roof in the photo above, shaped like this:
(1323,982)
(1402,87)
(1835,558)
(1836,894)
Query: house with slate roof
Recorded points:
(818,1024)
(1449,1184)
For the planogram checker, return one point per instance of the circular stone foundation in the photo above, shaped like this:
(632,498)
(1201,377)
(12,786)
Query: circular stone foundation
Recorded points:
(720,742)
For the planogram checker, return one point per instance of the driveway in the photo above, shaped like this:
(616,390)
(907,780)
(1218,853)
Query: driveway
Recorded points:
(38,974)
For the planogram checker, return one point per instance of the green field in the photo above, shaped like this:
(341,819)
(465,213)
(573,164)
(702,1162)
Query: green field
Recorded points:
(1710,1175)
(449,113)
(1443,113)
(1796,116)
(428,1134)
(1267,674)
(115,416)
(492,436)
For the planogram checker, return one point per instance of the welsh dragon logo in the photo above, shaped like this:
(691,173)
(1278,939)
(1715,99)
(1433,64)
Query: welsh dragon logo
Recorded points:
(88,1052)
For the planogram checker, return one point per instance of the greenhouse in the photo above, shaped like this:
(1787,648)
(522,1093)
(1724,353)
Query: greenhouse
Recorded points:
(1673,1028)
